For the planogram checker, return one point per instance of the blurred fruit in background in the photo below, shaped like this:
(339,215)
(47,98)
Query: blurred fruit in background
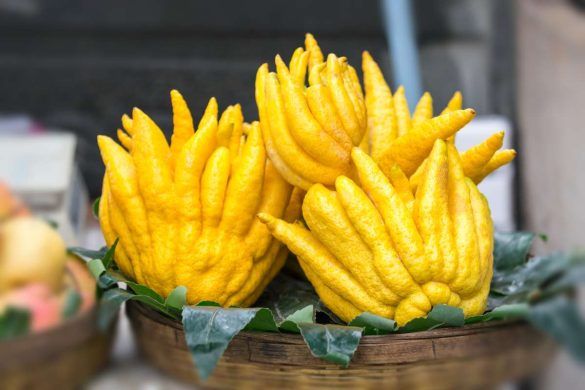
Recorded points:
(36,273)
(10,206)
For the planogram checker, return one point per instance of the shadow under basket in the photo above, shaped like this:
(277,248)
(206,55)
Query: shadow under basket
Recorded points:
(63,357)
(476,356)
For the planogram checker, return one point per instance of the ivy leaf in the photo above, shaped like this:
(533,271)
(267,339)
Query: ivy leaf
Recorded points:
(334,343)
(511,249)
(559,317)
(95,207)
(373,324)
(439,316)
(209,330)
(177,298)
(14,322)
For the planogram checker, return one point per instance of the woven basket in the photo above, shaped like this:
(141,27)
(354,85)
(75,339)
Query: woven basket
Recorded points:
(60,358)
(474,356)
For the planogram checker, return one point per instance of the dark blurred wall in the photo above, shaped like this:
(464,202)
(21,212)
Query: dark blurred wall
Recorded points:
(80,64)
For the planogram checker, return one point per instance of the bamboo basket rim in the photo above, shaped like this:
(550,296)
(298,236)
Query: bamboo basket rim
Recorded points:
(487,354)
(284,337)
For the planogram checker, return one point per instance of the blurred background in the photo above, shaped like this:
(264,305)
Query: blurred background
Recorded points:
(70,69)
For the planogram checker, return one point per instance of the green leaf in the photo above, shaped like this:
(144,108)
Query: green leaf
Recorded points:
(141,289)
(574,276)
(519,283)
(107,280)
(112,299)
(177,298)
(304,315)
(97,268)
(559,317)
(87,254)
(209,330)
(505,312)
(160,307)
(374,324)
(14,322)
(95,207)
(511,249)
(110,305)
(72,304)
(334,343)
(449,315)
(208,303)
(109,256)
(291,301)
(262,322)
(439,316)
(104,255)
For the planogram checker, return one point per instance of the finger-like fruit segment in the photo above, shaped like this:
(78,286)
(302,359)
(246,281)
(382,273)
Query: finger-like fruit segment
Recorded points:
(381,117)
(455,103)
(478,156)
(124,139)
(409,150)
(499,159)
(305,129)
(402,111)
(182,124)
(285,144)
(283,168)
(323,109)
(423,110)
(342,100)
(315,53)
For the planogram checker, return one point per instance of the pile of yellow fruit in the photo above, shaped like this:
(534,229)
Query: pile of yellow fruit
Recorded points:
(393,220)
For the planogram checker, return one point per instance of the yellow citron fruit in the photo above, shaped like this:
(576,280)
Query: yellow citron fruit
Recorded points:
(184,213)
(309,130)
(368,248)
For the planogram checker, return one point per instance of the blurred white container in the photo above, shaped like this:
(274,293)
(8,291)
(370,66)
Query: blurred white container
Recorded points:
(40,168)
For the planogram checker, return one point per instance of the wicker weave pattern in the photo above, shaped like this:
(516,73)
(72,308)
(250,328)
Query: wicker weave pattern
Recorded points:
(476,356)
